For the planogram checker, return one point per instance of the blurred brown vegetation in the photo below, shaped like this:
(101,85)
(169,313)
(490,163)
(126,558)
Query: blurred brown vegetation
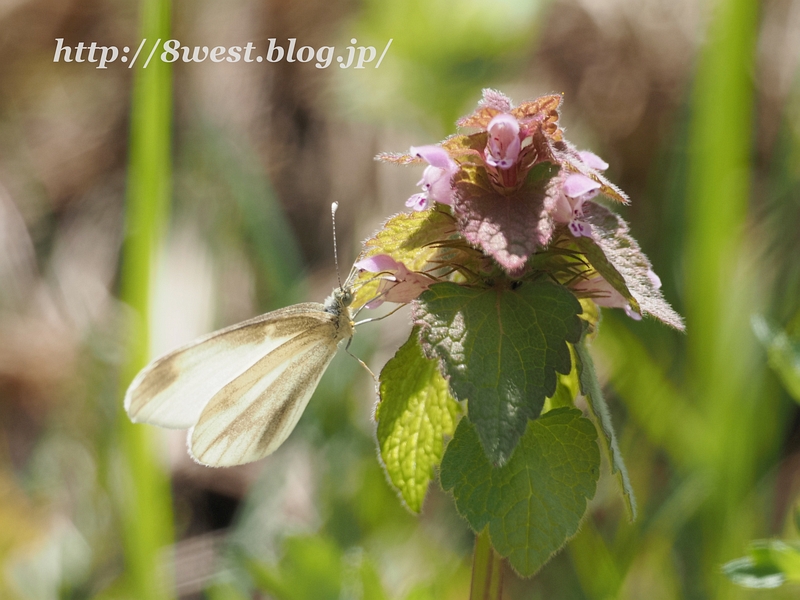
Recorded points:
(273,145)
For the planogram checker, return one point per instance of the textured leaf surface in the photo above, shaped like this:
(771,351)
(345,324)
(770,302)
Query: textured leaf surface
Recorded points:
(590,387)
(415,412)
(535,502)
(618,258)
(509,228)
(500,349)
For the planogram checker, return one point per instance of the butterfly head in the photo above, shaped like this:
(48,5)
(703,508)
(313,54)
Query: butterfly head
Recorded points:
(339,300)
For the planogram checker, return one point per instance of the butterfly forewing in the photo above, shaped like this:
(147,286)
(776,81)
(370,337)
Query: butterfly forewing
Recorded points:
(173,390)
(272,393)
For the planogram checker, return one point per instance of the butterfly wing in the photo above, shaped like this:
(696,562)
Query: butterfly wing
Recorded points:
(173,390)
(253,414)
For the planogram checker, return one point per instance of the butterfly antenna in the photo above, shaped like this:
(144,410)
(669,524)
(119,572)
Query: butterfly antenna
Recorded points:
(334,206)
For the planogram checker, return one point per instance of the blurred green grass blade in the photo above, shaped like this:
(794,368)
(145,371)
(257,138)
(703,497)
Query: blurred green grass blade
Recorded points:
(224,591)
(724,377)
(595,565)
(311,569)
(652,400)
(719,172)
(145,501)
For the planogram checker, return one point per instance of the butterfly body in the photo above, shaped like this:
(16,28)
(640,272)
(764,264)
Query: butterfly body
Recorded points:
(241,390)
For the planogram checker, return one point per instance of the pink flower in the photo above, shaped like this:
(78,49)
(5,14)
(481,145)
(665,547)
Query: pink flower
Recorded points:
(435,182)
(591,160)
(604,295)
(502,149)
(399,285)
(575,190)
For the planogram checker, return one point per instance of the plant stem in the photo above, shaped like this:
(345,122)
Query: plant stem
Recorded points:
(487,570)
(141,487)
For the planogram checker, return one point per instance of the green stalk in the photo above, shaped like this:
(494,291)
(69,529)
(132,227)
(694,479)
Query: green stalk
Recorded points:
(144,499)
(487,570)
(719,176)
(721,293)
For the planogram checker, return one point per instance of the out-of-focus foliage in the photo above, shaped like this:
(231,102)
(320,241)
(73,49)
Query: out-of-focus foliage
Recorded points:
(439,57)
(783,353)
(769,564)
(696,110)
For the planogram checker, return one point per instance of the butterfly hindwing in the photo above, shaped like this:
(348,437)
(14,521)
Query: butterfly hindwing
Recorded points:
(173,390)
(252,415)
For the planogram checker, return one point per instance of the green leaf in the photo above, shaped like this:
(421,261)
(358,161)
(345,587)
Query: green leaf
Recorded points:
(534,504)
(616,256)
(590,388)
(783,354)
(769,564)
(414,414)
(500,349)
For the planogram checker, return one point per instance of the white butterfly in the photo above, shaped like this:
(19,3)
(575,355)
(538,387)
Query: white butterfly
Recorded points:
(241,390)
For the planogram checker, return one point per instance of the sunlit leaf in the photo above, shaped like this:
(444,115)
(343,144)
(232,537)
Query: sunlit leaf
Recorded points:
(417,239)
(415,412)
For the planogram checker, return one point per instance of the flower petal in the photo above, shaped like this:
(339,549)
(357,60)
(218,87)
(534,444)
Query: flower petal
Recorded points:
(503,146)
(577,185)
(436,156)
(580,228)
(418,202)
(378,264)
(408,289)
(591,160)
(400,286)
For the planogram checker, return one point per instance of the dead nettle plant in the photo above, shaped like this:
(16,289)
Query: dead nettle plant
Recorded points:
(505,257)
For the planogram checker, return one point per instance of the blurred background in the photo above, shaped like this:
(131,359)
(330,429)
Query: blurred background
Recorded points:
(696,106)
